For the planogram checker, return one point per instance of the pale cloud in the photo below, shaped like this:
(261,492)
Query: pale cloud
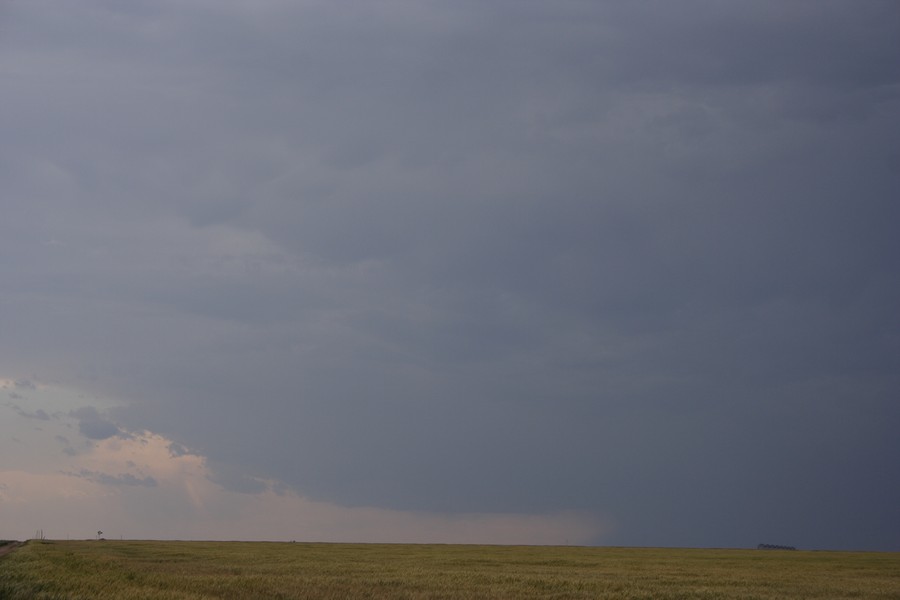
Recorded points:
(135,488)
(139,484)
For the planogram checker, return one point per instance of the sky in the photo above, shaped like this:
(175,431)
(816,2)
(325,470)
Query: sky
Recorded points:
(533,272)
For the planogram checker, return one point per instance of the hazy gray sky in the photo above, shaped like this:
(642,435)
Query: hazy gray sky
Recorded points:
(574,271)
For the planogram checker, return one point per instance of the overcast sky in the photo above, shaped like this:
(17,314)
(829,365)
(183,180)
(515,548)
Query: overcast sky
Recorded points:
(564,271)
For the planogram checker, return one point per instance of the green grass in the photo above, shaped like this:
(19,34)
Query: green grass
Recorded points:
(238,570)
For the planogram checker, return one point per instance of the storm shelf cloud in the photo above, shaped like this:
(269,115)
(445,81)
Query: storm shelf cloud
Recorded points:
(628,267)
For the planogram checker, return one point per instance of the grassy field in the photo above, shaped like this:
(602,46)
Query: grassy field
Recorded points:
(239,570)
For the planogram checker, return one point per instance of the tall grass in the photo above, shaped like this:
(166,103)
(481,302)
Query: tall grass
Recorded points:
(244,570)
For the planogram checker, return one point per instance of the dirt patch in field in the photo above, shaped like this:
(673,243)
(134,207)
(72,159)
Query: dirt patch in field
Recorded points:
(7,548)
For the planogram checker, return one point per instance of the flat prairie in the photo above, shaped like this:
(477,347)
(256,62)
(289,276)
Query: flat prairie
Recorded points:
(72,570)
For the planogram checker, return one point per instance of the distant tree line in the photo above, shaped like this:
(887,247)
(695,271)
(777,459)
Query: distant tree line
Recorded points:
(774,547)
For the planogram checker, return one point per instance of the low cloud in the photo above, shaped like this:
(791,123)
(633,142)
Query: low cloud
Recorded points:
(67,445)
(107,479)
(176,449)
(39,414)
(234,479)
(93,425)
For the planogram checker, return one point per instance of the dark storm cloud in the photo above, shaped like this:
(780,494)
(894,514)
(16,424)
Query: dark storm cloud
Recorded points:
(636,259)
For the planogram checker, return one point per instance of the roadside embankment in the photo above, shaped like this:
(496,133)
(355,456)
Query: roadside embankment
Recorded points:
(7,547)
